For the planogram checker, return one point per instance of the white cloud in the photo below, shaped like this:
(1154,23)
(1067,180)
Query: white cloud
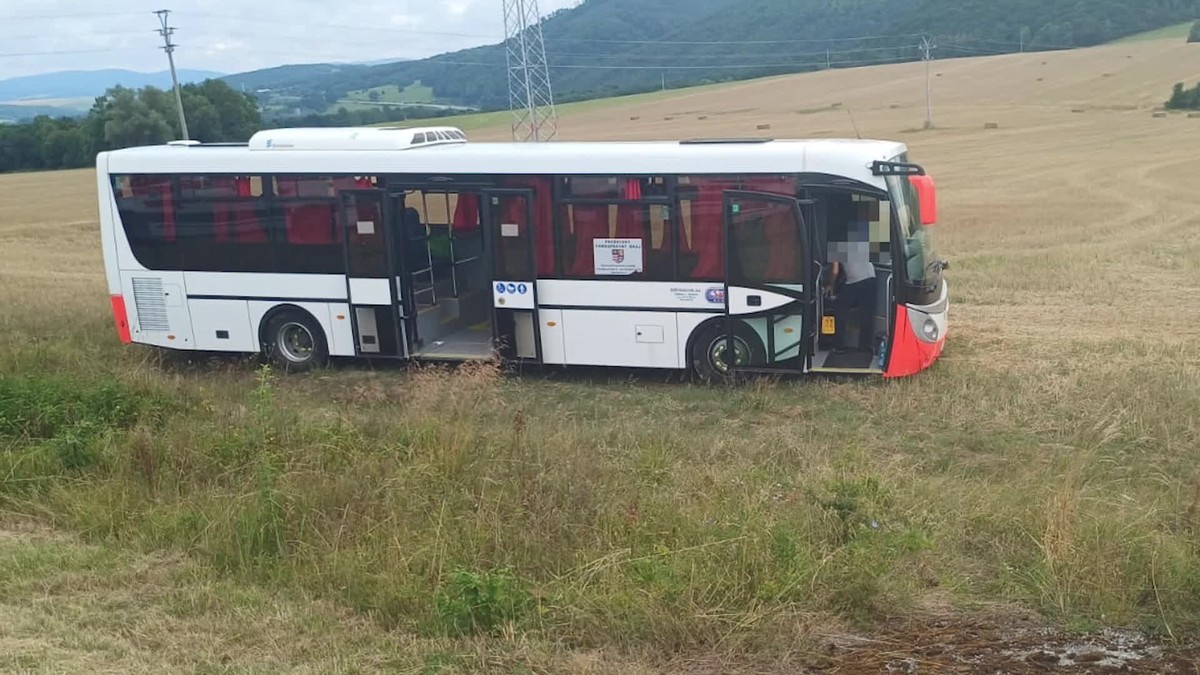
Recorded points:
(235,35)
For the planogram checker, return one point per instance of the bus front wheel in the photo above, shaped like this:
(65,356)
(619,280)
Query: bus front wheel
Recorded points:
(714,357)
(295,342)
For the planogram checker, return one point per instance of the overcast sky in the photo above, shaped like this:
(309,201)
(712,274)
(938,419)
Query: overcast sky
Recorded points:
(233,36)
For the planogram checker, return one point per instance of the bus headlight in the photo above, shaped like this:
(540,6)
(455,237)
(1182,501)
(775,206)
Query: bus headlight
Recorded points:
(930,329)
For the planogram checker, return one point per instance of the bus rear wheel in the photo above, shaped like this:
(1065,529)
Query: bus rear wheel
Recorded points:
(714,358)
(295,342)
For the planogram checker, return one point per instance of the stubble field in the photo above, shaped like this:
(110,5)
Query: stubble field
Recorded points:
(165,515)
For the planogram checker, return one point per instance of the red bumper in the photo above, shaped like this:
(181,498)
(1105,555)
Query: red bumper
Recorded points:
(121,317)
(910,354)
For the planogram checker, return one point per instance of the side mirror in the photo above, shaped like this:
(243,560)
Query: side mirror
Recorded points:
(926,198)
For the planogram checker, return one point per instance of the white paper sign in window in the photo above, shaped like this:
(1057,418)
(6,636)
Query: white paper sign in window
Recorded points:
(617,257)
(510,230)
(366,227)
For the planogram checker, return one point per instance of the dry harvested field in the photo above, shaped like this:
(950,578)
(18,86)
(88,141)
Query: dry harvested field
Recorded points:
(1030,504)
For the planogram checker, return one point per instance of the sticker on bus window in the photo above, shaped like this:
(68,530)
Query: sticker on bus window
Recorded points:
(617,257)
(510,230)
(366,227)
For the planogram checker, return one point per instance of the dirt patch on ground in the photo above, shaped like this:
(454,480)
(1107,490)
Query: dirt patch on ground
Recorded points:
(1001,644)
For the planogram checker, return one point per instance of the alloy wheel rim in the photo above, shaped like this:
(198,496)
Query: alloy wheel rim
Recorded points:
(296,342)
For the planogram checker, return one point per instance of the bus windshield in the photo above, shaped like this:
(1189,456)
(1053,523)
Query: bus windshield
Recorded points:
(920,257)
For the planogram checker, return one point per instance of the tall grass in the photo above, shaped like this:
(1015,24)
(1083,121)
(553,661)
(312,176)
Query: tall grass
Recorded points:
(460,501)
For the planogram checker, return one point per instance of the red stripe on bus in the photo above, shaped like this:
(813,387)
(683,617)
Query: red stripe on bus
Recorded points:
(121,318)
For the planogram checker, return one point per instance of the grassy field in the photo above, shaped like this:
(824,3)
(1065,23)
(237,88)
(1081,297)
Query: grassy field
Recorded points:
(390,94)
(160,514)
(1176,32)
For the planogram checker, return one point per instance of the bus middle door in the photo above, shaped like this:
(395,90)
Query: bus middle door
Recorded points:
(509,230)
(376,309)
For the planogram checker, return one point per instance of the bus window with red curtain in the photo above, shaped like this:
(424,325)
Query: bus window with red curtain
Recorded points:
(707,244)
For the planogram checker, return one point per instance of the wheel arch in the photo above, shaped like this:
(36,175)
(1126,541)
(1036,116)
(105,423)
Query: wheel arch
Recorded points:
(287,308)
(704,326)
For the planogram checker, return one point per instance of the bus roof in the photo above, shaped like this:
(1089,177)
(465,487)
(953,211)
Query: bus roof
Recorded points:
(322,152)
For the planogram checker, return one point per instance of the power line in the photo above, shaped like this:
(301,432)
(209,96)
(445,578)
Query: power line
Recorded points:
(166,32)
(324,26)
(738,42)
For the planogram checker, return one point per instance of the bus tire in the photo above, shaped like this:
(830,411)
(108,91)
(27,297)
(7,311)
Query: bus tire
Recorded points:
(709,351)
(295,342)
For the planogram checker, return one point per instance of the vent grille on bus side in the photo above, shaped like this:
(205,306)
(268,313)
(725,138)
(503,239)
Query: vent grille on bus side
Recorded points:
(151,304)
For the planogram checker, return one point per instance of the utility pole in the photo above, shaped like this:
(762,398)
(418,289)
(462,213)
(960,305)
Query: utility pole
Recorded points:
(927,48)
(169,47)
(530,96)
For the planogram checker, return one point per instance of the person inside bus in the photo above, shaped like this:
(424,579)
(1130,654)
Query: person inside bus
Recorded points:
(852,281)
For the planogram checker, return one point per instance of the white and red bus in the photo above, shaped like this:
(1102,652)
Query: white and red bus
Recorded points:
(714,255)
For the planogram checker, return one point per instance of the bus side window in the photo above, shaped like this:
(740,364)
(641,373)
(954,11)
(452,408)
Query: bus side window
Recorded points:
(224,224)
(308,238)
(146,207)
(628,211)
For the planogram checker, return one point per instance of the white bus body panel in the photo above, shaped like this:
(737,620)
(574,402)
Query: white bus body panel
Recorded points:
(663,295)
(554,349)
(212,319)
(250,286)
(341,334)
(158,308)
(621,338)
(739,301)
(110,224)
(370,292)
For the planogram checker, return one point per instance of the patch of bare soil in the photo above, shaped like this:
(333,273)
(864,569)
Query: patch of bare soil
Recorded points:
(1001,644)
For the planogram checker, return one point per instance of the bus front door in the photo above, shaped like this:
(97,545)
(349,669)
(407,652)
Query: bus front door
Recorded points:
(372,277)
(509,230)
(768,288)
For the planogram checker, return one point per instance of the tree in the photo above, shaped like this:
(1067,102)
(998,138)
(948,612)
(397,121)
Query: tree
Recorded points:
(125,117)
(1184,99)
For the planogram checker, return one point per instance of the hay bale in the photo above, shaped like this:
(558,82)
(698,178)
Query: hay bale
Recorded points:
(895,106)
(835,105)
(763,126)
(1194,116)
(991,125)
(635,118)
(702,117)
(668,119)
(1077,110)
(1159,115)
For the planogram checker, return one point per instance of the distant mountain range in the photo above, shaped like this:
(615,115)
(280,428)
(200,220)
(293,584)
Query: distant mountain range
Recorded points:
(603,48)
(88,84)
(610,47)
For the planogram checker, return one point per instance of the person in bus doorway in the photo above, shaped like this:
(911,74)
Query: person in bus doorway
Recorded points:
(852,267)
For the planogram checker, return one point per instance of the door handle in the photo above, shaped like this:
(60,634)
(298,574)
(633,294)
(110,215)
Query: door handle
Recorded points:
(754,300)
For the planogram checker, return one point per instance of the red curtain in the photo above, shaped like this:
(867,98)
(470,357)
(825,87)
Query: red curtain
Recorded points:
(708,227)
